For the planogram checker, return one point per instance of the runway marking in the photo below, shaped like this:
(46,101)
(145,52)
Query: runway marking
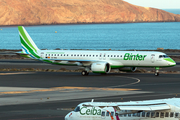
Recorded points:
(17,73)
(38,118)
(138,81)
(69,89)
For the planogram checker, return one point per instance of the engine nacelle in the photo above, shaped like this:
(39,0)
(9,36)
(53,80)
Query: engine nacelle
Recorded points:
(128,69)
(100,67)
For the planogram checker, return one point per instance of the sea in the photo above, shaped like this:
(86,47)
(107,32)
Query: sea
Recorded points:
(121,36)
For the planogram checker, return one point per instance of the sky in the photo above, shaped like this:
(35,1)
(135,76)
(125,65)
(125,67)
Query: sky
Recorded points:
(160,4)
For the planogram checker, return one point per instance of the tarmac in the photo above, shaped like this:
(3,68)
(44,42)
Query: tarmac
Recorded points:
(32,95)
(51,95)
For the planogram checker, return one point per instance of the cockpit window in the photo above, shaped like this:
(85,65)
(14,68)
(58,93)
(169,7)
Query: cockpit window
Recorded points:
(77,109)
(163,56)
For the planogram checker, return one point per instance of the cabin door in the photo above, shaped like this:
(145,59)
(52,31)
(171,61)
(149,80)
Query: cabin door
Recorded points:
(152,58)
(42,55)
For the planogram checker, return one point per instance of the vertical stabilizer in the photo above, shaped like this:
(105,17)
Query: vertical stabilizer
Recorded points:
(27,44)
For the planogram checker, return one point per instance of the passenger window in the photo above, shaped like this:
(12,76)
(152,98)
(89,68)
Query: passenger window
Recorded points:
(74,54)
(134,115)
(54,54)
(89,55)
(51,54)
(67,54)
(103,113)
(129,115)
(117,55)
(100,56)
(84,55)
(143,114)
(138,114)
(171,114)
(107,114)
(93,55)
(157,114)
(112,113)
(176,115)
(148,114)
(153,114)
(167,114)
(96,55)
(77,55)
(111,56)
(108,55)
(71,54)
(104,55)
(46,54)
(61,54)
(57,54)
(162,115)
(114,55)
(64,54)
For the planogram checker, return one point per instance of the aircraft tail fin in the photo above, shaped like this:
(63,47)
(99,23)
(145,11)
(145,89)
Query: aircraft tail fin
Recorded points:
(27,44)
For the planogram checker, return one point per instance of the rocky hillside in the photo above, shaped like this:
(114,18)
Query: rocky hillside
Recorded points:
(36,12)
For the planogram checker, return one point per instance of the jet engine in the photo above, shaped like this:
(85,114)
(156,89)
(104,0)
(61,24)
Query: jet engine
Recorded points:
(100,67)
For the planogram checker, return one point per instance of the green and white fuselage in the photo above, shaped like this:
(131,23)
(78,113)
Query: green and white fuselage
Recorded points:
(96,61)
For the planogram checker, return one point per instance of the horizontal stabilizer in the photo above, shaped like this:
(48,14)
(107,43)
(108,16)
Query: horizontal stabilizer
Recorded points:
(20,53)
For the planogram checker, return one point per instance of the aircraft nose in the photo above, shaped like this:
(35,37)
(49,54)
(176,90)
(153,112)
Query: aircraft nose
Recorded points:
(170,61)
(67,117)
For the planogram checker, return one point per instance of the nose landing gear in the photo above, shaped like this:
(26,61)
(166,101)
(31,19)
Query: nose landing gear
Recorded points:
(157,71)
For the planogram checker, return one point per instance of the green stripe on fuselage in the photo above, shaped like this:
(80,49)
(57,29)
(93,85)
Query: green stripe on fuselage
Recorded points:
(98,72)
(114,66)
(169,60)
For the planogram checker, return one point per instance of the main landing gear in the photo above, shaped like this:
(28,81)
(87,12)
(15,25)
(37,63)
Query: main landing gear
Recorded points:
(83,73)
(157,71)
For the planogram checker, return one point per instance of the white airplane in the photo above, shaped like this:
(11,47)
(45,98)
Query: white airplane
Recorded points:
(162,109)
(96,61)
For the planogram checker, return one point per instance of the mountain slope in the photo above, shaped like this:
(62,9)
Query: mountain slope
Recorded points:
(36,12)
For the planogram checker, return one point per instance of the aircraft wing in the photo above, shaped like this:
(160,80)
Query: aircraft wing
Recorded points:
(72,60)
(136,107)
(155,107)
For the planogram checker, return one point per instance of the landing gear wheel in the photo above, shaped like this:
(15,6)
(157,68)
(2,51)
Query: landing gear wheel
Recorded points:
(83,73)
(156,74)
